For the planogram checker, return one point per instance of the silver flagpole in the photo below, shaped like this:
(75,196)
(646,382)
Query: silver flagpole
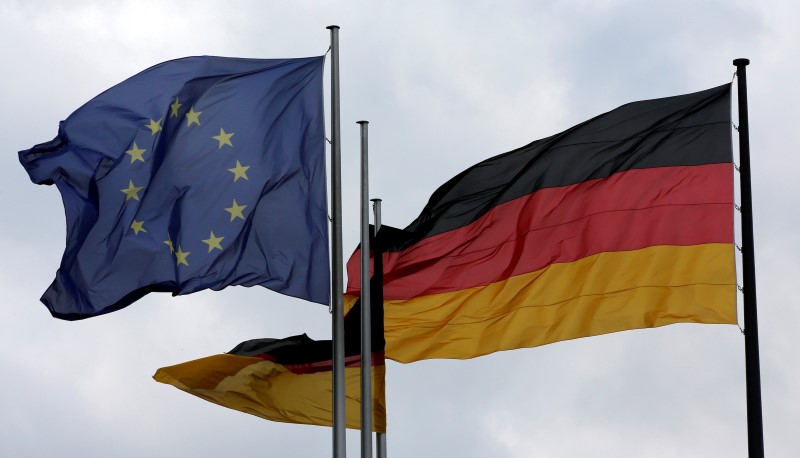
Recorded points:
(380,438)
(366,319)
(337,289)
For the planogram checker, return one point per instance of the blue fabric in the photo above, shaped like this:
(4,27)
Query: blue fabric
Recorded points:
(132,214)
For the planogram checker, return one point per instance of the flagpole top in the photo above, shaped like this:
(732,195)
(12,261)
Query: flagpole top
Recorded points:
(376,200)
(332,27)
(741,62)
(362,122)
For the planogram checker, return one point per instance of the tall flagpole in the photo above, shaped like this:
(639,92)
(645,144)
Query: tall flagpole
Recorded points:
(380,438)
(366,318)
(337,289)
(755,428)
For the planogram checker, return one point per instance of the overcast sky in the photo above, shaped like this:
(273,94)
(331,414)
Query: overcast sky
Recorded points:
(444,85)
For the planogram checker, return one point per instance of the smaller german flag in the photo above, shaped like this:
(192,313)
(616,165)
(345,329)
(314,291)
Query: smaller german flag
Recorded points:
(288,380)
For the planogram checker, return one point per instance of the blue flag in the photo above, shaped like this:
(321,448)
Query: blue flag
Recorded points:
(196,173)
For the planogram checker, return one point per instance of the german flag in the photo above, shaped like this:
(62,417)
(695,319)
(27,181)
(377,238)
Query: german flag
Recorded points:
(624,221)
(288,380)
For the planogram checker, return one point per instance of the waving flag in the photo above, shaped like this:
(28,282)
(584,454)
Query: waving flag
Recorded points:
(197,173)
(289,380)
(624,221)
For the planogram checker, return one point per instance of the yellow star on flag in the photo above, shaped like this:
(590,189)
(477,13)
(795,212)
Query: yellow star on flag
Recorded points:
(192,117)
(136,153)
(138,226)
(239,171)
(175,106)
(154,126)
(132,192)
(223,138)
(168,243)
(213,242)
(181,255)
(236,210)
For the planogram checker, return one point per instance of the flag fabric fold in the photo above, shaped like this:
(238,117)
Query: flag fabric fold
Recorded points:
(197,173)
(624,221)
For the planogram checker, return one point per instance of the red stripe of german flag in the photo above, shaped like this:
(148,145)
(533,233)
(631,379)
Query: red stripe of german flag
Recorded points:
(622,222)
(622,213)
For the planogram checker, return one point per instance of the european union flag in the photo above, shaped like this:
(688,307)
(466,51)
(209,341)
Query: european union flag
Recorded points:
(196,173)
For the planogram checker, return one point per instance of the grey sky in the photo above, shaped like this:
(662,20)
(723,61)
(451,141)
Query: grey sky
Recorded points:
(444,85)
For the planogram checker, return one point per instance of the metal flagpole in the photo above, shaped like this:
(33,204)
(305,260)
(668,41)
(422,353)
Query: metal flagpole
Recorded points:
(366,319)
(337,289)
(380,438)
(755,429)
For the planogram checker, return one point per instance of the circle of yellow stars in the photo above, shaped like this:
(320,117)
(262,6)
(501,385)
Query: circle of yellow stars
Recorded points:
(138,154)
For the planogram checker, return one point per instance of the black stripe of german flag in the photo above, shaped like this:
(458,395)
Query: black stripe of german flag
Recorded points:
(622,222)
